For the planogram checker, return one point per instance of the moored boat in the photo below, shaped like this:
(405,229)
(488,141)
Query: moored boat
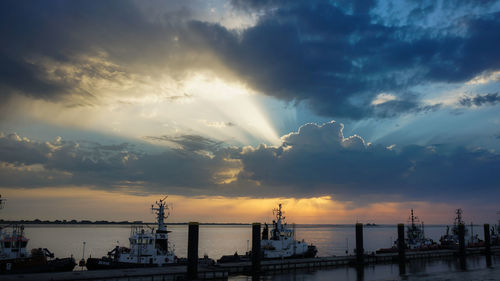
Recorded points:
(495,233)
(281,244)
(148,247)
(415,239)
(450,239)
(15,258)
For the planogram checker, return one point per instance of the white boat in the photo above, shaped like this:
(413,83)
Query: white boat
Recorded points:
(415,236)
(148,247)
(415,239)
(15,258)
(281,243)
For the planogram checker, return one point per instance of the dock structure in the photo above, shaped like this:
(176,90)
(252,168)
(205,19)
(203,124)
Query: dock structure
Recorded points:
(223,271)
(255,266)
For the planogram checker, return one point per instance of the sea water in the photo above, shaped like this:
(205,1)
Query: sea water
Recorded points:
(218,240)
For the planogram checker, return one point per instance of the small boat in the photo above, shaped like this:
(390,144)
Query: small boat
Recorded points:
(280,245)
(148,247)
(450,239)
(14,257)
(415,239)
(495,233)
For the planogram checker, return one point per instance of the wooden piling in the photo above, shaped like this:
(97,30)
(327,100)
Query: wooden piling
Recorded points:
(359,244)
(193,236)
(487,244)
(461,245)
(401,249)
(256,248)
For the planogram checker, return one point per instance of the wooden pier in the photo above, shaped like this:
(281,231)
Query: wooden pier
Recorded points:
(223,271)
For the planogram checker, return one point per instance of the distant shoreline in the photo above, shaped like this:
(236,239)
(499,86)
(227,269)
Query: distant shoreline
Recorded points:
(104,222)
(88,222)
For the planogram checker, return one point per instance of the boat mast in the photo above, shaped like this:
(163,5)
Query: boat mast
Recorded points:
(498,225)
(2,202)
(160,214)
(279,217)
(458,219)
(412,219)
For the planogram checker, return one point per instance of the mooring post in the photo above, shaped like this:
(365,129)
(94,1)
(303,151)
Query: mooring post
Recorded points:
(487,244)
(193,235)
(359,244)
(255,248)
(461,245)
(401,249)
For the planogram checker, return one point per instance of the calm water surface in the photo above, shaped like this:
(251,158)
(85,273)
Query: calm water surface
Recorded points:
(216,241)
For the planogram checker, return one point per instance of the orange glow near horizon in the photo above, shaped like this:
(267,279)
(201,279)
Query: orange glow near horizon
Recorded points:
(86,203)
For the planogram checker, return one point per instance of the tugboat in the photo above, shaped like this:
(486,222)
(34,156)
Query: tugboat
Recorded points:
(281,244)
(450,240)
(415,238)
(14,258)
(148,248)
(495,233)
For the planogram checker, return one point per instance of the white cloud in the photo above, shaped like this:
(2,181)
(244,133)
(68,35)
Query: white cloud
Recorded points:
(383,98)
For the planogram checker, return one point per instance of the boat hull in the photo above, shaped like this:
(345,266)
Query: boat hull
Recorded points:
(99,264)
(310,253)
(36,265)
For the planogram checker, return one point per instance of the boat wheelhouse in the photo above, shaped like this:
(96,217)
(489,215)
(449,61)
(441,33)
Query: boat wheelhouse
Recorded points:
(13,244)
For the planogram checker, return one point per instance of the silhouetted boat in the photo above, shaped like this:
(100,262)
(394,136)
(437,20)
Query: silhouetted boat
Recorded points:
(495,233)
(450,239)
(415,239)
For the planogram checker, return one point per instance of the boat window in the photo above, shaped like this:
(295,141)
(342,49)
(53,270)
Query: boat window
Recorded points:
(7,244)
(23,244)
(132,241)
(150,241)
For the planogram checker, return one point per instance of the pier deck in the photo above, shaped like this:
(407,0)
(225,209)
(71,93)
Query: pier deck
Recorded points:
(222,271)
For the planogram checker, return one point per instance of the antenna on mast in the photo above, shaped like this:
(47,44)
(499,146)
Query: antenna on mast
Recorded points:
(162,212)
(2,202)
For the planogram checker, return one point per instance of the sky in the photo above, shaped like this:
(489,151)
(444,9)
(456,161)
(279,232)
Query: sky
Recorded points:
(344,111)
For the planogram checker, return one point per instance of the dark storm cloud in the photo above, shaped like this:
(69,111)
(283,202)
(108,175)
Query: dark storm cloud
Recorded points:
(326,56)
(28,163)
(38,35)
(320,160)
(316,160)
(480,100)
(336,57)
